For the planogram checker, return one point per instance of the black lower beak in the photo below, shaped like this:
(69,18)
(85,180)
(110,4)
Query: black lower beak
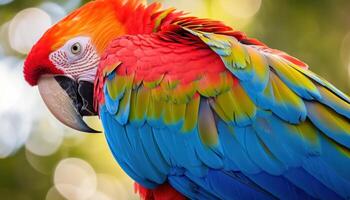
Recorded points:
(81,94)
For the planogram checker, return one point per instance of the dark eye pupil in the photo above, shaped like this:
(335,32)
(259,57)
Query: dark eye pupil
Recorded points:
(75,48)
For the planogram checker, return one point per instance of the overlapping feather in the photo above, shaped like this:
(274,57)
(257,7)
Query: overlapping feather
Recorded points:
(264,116)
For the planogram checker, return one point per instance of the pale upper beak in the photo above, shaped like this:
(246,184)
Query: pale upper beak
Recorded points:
(68,101)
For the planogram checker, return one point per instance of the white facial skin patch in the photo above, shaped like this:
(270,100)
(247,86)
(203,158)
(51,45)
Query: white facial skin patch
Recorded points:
(78,59)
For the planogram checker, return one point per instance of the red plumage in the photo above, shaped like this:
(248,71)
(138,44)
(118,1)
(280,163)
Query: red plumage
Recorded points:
(139,56)
(163,192)
(170,34)
(38,63)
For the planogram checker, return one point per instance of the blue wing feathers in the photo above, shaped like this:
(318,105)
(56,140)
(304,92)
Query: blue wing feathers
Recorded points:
(152,149)
(190,189)
(113,141)
(133,136)
(112,105)
(270,137)
(279,186)
(260,152)
(234,151)
(326,175)
(185,155)
(230,185)
(330,123)
(295,147)
(302,179)
(208,156)
(261,155)
(336,156)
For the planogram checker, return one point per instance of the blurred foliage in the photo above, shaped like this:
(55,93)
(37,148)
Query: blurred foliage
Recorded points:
(311,30)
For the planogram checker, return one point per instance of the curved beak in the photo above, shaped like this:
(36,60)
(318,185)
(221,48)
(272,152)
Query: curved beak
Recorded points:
(68,101)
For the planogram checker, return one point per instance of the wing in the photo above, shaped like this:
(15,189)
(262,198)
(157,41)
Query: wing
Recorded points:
(218,118)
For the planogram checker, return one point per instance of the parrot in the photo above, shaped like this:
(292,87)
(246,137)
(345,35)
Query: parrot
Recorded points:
(192,108)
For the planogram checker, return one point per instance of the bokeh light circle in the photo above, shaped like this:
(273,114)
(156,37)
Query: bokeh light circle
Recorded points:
(100,196)
(46,137)
(16,117)
(33,19)
(55,11)
(12,137)
(4,41)
(110,187)
(75,179)
(53,194)
(70,5)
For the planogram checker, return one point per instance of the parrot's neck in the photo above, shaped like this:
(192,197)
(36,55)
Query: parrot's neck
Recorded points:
(131,19)
(146,19)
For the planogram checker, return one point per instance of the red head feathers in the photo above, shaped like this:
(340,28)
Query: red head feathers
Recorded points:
(101,20)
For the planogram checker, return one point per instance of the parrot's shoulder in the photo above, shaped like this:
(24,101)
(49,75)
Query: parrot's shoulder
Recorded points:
(158,59)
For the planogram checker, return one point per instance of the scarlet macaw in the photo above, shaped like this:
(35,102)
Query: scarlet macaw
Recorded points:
(192,108)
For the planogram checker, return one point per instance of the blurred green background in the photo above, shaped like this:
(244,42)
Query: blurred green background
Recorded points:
(42,159)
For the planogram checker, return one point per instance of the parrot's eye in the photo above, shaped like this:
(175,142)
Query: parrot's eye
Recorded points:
(76,48)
